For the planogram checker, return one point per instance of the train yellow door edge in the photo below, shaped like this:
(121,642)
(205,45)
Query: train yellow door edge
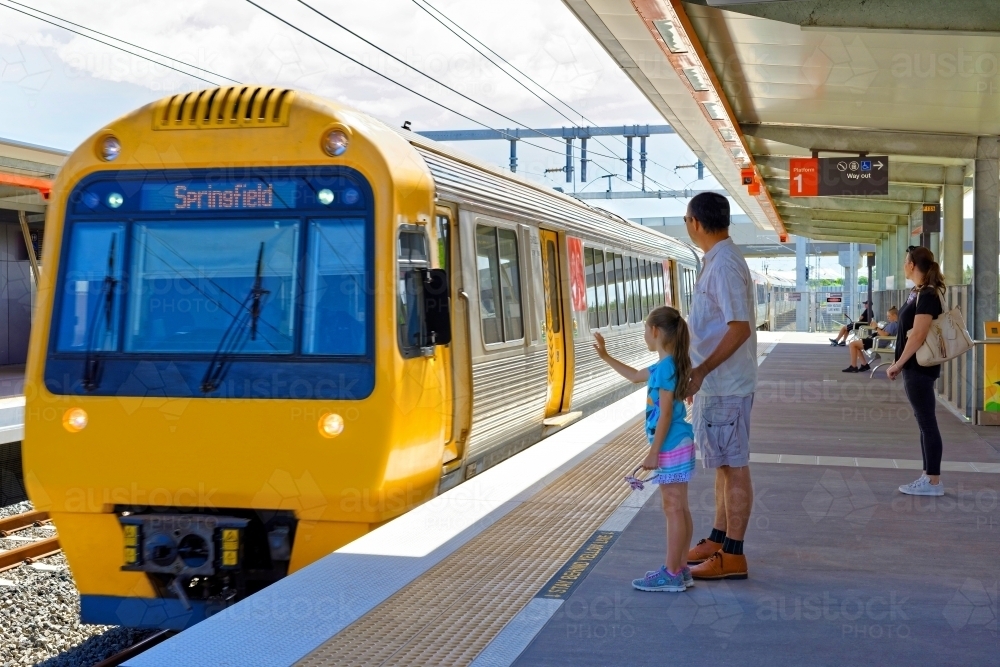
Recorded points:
(555,329)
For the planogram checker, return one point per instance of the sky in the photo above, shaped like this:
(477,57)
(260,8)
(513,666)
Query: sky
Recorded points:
(56,88)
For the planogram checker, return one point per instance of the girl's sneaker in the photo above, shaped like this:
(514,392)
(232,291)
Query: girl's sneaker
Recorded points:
(688,579)
(661,580)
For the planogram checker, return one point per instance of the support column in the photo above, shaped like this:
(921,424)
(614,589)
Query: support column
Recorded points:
(569,161)
(985,250)
(802,307)
(952,239)
(902,240)
(889,255)
(513,156)
(628,158)
(852,280)
(879,273)
(583,160)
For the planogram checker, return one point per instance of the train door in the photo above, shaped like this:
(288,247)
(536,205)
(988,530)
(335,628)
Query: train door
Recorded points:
(458,418)
(555,329)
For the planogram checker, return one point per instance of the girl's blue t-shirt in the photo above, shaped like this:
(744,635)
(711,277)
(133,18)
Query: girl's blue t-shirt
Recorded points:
(663,375)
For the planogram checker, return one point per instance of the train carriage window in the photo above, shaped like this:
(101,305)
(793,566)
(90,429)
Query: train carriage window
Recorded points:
(641,283)
(658,282)
(654,298)
(444,242)
(630,288)
(510,285)
(637,290)
(411,253)
(499,284)
(588,268)
(648,281)
(602,297)
(620,283)
(95,247)
(613,299)
(488,267)
(552,305)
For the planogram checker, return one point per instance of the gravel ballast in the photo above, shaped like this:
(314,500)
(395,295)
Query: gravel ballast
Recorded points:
(40,613)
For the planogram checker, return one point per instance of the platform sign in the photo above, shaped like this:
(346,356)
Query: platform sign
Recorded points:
(804,177)
(932,218)
(834,304)
(839,176)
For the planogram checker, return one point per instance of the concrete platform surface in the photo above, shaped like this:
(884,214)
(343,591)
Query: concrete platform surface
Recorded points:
(843,568)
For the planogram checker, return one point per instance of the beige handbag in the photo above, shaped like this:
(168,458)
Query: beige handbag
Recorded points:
(947,338)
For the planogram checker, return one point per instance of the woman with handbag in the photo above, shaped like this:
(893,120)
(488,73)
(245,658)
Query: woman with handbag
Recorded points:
(922,307)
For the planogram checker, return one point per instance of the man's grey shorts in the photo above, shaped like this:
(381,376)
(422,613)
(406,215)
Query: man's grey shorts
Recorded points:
(722,429)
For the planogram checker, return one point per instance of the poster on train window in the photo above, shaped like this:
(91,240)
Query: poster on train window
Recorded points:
(577,285)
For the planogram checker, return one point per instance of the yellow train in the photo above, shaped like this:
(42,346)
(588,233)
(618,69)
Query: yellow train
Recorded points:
(269,323)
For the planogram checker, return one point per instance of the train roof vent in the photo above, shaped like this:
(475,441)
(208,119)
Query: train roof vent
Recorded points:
(220,108)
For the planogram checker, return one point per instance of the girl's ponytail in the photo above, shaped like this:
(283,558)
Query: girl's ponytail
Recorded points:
(669,321)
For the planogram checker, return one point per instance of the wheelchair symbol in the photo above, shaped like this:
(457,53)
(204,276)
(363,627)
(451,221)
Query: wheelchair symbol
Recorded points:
(866,165)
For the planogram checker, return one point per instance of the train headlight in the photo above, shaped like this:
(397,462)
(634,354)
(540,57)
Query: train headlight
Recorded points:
(115,199)
(335,143)
(110,148)
(75,420)
(331,425)
(325,196)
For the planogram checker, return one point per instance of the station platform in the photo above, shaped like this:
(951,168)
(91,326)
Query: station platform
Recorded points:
(530,563)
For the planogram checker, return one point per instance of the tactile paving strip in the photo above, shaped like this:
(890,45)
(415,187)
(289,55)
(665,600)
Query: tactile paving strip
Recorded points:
(447,616)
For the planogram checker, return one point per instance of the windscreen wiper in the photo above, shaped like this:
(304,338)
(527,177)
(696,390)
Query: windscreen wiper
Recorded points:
(235,337)
(91,362)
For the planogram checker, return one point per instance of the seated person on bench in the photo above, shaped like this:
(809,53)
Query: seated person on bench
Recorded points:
(858,347)
(866,317)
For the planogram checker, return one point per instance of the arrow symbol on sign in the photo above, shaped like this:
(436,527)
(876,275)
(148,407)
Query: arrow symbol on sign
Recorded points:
(879,165)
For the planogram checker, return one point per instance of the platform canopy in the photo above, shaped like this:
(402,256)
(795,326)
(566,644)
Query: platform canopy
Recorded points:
(26,163)
(752,84)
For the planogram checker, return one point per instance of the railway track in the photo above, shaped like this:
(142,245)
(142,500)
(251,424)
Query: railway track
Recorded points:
(34,549)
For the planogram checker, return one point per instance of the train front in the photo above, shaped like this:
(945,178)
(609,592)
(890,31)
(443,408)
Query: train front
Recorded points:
(216,394)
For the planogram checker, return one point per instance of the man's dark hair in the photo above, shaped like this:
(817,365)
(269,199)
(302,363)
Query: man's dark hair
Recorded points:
(711,210)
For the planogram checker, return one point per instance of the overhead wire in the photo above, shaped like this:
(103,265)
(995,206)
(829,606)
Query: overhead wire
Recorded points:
(463,95)
(119,39)
(59,21)
(388,78)
(115,46)
(511,76)
(417,70)
(519,71)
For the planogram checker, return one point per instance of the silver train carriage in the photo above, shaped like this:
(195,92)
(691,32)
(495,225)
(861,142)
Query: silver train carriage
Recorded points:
(535,273)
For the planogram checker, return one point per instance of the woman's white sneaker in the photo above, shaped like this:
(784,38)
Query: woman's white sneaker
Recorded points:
(923,487)
(914,483)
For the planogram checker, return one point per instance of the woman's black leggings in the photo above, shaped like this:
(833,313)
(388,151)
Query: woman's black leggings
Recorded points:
(922,396)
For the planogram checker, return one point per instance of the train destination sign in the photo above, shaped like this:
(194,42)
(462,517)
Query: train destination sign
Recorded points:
(218,196)
(839,176)
(214,195)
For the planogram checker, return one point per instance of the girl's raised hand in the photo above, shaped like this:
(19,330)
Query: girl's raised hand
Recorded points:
(599,346)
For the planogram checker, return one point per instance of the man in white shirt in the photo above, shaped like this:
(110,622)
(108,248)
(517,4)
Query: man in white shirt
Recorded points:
(724,355)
